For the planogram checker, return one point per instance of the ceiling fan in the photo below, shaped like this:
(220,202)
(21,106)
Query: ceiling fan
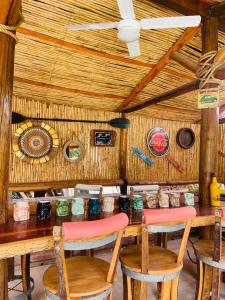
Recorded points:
(129,28)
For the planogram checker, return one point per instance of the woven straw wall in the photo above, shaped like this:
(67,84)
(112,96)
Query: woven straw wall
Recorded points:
(161,170)
(98,163)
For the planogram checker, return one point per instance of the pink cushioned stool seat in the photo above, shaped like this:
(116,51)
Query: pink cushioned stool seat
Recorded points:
(89,229)
(154,216)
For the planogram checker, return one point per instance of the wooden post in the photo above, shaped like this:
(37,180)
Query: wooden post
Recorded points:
(9,14)
(209,121)
(123,152)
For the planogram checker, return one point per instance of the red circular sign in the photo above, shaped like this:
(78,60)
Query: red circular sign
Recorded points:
(158,141)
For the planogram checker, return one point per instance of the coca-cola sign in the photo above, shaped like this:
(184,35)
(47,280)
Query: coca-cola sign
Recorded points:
(158,141)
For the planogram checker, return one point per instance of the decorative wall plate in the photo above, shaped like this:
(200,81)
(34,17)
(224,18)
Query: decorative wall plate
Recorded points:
(185,138)
(35,142)
(158,141)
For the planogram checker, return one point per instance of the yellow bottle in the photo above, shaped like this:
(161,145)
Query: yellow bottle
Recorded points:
(215,192)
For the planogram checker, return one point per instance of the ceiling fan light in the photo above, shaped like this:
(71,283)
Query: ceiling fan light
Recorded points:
(128,30)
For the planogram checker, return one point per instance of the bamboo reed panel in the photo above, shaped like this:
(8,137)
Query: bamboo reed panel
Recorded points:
(98,163)
(161,169)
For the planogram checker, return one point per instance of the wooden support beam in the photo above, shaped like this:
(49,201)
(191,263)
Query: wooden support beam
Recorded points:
(65,89)
(123,152)
(77,48)
(185,61)
(9,14)
(209,122)
(185,37)
(186,88)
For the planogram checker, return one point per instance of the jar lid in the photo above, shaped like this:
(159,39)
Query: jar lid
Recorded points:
(124,196)
(44,201)
(62,200)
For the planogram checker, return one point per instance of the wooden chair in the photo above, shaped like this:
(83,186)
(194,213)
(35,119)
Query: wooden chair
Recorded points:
(153,263)
(211,261)
(84,277)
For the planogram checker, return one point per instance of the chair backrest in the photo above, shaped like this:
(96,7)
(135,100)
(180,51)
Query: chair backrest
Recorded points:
(87,235)
(166,220)
(88,190)
(219,223)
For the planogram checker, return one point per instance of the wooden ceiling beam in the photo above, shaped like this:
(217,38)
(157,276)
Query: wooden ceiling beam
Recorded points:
(186,88)
(65,89)
(185,61)
(5,6)
(77,48)
(183,40)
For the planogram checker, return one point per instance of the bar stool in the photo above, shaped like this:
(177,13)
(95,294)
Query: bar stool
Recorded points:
(154,263)
(210,255)
(84,277)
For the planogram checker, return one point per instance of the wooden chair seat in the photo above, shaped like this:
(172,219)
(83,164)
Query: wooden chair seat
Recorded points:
(161,260)
(86,276)
(205,248)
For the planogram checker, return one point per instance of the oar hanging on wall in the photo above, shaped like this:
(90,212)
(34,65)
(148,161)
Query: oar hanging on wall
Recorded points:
(117,122)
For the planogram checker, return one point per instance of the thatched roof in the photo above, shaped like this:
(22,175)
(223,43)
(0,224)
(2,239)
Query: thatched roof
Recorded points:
(92,69)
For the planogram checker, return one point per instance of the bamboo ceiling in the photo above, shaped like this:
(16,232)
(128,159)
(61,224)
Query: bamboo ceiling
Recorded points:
(92,69)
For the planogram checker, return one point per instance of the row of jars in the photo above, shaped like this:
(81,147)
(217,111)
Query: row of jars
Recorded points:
(21,208)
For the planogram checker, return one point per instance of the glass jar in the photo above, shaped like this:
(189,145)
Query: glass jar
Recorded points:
(108,204)
(21,211)
(137,202)
(43,210)
(124,203)
(94,206)
(62,208)
(77,206)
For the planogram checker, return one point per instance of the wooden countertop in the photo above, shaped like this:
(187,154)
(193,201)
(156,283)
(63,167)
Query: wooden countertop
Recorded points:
(18,238)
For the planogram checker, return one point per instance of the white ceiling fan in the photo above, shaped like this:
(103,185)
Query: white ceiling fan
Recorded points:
(129,28)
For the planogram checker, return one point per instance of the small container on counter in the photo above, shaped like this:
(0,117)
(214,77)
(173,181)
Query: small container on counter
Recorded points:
(94,206)
(124,203)
(108,204)
(77,206)
(189,199)
(174,199)
(163,199)
(62,208)
(43,210)
(137,202)
(21,211)
(151,200)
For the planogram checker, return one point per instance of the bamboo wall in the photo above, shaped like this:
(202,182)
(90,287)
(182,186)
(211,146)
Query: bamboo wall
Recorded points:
(103,162)
(98,163)
(161,170)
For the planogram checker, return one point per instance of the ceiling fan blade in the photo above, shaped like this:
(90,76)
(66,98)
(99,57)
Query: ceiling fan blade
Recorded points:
(171,22)
(126,9)
(93,26)
(134,48)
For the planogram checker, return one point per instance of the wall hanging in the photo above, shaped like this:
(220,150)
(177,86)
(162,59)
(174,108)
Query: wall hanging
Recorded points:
(103,137)
(185,138)
(73,150)
(35,143)
(174,163)
(117,122)
(158,141)
(142,156)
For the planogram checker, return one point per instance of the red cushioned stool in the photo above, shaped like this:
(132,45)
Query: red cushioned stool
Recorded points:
(84,276)
(156,264)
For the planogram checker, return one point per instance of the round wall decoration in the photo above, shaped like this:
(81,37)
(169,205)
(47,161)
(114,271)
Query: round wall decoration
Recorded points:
(35,142)
(158,141)
(185,138)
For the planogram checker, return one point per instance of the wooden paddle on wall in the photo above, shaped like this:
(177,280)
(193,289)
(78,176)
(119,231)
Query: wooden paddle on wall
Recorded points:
(117,123)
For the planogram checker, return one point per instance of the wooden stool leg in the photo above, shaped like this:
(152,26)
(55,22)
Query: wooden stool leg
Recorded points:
(144,294)
(136,288)
(174,288)
(159,289)
(166,290)
(199,285)
(25,270)
(129,288)
(125,288)
(216,274)
(207,282)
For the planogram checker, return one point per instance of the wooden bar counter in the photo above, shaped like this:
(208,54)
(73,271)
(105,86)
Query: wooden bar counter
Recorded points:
(19,238)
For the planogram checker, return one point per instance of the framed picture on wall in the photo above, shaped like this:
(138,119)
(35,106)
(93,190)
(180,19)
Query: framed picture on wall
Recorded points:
(103,138)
